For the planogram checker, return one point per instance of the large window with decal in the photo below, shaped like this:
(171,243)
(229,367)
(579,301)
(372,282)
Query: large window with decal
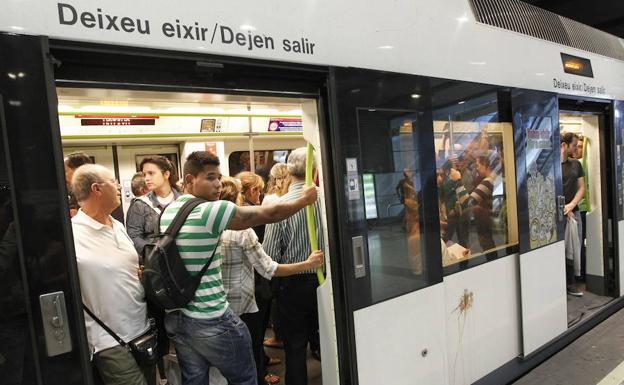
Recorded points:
(475,173)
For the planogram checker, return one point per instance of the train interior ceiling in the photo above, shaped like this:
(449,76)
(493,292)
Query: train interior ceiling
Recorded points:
(118,128)
(591,272)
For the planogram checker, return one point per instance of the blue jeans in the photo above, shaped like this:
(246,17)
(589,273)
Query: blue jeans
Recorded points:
(223,342)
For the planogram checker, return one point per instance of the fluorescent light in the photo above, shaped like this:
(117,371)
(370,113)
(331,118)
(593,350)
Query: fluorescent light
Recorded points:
(114,109)
(462,102)
(415,96)
(17,28)
(247,27)
(385,47)
(20,75)
(462,19)
(12,75)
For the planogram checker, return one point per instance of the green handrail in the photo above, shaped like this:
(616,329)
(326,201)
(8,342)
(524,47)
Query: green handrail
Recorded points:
(310,211)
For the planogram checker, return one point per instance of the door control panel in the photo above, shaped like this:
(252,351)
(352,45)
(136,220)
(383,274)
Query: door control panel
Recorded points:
(359,256)
(55,326)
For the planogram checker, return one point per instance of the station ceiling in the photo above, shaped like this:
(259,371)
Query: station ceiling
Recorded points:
(606,15)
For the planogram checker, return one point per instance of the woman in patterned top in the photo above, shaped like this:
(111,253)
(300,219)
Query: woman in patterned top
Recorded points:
(242,253)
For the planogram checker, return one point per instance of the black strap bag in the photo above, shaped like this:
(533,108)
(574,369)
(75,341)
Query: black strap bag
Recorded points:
(144,348)
(165,279)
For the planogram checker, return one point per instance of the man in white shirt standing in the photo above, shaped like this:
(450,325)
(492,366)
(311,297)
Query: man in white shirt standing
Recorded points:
(107,266)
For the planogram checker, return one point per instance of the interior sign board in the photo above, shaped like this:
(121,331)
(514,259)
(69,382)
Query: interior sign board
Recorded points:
(576,65)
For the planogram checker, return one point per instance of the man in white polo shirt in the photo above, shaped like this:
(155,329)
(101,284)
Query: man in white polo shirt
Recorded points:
(107,267)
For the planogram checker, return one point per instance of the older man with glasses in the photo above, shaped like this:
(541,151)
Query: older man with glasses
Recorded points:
(107,266)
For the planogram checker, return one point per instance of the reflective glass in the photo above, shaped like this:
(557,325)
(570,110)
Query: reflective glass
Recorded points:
(475,175)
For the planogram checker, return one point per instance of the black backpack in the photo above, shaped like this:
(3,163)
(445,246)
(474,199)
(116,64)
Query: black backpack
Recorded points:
(165,279)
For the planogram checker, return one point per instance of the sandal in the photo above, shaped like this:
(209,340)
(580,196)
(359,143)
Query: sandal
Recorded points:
(273,361)
(271,379)
(273,343)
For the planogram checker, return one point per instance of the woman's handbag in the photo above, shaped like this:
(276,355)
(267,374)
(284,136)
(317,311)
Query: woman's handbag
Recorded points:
(144,348)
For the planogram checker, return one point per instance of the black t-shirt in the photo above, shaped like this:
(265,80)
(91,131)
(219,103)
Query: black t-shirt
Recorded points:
(571,170)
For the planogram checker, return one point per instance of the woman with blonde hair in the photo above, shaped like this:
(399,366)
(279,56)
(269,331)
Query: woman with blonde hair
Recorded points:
(279,179)
(242,254)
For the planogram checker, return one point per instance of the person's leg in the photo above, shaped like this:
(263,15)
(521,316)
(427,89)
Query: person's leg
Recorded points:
(117,366)
(225,343)
(293,314)
(583,250)
(579,224)
(254,324)
(193,365)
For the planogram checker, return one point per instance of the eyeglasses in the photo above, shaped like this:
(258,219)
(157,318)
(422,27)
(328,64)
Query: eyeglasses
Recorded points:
(114,182)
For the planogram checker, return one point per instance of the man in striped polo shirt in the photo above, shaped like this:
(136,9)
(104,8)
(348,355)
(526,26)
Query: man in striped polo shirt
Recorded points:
(479,200)
(206,332)
(287,242)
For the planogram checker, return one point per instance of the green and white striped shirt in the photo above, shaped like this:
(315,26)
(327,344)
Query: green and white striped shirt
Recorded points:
(197,239)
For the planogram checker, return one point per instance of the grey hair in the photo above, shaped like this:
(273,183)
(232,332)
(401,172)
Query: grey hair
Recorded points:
(297,162)
(138,182)
(84,177)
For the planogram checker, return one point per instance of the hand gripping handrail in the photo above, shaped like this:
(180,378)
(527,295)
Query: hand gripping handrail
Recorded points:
(310,211)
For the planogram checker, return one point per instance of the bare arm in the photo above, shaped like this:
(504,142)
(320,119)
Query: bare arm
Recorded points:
(314,260)
(577,197)
(249,216)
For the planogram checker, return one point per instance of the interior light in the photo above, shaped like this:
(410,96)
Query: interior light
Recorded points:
(385,47)
(115,109)
(247,27)
(462,19)
(478,63)
(20,75)
(415,96)
(197,110)
(462,102)
(17,28)
(371,110)
(64,108)
(12,75)
(295,112)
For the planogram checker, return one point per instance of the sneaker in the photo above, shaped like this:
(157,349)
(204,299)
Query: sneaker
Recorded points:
(572,290)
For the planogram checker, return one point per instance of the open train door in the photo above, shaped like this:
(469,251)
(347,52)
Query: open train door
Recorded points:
(42,336)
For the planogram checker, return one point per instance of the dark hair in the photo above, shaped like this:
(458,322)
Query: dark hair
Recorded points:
(77,159)
(484,159)
(164,165)
(567,137)
(196,161)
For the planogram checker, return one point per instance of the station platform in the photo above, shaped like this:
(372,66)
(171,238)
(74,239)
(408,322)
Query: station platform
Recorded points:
(595,358)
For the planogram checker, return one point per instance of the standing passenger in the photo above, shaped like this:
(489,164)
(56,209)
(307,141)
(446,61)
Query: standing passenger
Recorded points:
(71,163)
(142,217)
(573,190)
(206,332)
(138,186)
(287,242)
(244,256)
(108,266)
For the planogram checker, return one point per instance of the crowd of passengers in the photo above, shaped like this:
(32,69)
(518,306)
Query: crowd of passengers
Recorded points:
(223,327)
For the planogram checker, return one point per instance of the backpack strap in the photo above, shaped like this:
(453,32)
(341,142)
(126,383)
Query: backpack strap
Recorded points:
(181,216)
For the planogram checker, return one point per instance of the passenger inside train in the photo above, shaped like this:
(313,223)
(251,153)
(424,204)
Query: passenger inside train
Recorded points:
(148,171)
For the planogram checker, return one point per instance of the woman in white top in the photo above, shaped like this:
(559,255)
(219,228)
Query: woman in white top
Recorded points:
(278,183)
(242,253)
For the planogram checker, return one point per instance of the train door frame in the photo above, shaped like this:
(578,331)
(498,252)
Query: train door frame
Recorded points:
(77,66)
(608,165)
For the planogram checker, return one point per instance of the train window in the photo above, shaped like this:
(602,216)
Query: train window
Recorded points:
(239,161)
(475,175)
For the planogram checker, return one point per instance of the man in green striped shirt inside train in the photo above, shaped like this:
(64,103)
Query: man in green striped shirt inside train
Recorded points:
(206,332)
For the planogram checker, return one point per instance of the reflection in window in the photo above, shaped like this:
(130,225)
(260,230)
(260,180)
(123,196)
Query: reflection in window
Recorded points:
(392,194)
(476,179)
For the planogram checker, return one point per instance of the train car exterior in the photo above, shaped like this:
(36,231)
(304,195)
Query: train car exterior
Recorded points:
(391,84)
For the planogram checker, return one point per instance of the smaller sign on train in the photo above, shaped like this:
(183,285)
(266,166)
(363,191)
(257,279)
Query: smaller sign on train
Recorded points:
(285,125)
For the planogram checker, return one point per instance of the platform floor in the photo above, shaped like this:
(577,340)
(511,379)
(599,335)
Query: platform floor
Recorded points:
(595,358)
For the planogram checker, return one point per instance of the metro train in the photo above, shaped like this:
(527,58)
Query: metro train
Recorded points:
(397,98)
